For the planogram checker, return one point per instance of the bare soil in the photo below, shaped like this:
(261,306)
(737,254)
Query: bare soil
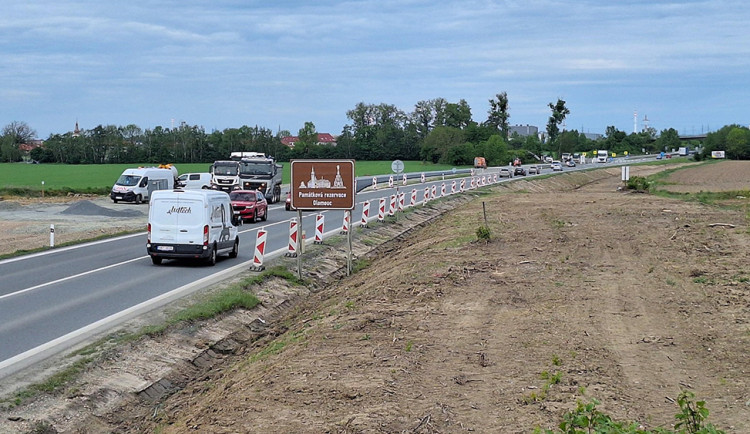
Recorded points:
(629,298)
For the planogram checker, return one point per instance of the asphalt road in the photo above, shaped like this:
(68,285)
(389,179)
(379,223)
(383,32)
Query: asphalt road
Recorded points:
(53,300)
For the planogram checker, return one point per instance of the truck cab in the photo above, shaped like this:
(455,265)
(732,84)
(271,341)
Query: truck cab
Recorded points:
(225,175)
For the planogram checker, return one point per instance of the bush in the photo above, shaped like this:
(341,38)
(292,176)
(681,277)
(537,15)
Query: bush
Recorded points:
(483,233)
(638,183)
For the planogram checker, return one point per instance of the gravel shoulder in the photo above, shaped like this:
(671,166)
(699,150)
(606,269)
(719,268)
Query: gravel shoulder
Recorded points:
(627,298)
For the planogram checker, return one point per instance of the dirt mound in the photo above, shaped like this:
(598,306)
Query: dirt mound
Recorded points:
(88,208)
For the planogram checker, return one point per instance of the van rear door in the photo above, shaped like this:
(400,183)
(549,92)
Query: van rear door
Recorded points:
(177,220)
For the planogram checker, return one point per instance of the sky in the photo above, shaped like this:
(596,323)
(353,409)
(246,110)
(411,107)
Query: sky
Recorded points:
(278,64)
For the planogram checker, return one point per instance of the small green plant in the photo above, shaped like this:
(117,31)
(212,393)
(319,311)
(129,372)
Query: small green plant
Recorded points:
(409,346)
(586,418)
(483,233)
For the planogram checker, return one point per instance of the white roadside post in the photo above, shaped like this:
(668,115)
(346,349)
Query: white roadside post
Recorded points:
(52,235)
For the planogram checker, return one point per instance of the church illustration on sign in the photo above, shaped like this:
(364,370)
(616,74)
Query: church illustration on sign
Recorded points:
(316,182)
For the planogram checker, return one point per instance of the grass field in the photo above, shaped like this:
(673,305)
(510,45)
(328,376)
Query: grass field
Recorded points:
(90,178)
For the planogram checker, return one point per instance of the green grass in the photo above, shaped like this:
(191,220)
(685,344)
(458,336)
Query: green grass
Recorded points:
(21,178)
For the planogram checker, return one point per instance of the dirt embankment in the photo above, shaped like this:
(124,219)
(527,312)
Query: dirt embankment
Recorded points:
(626,298)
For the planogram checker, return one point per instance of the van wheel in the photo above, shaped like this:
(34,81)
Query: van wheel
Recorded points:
(156,260)
(138,199)
(235,249)
(212,257)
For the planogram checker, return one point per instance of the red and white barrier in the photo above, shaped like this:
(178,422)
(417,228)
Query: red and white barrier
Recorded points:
(374,182)
(484,180)
(260,250)
(422,178)
(453,187)
(365,213)
(463,185)
(433,192)
(472,185)
(413,197)
(392,208)
(381,210)
(426,195)
(346,222)
(404,179)
(494,178)
(390,181)
(401,201)
(292,249)
(442,190)
(319,225)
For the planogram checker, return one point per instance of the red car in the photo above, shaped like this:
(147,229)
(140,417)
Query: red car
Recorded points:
(249,205)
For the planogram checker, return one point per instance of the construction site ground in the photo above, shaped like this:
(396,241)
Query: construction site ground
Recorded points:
(584,291)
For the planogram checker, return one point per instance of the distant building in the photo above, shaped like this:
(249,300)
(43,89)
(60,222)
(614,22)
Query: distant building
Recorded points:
(523,130)
(323,139)
(593,136)
(31,144)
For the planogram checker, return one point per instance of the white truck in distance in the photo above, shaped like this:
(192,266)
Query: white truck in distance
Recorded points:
(191,224)
(602,156)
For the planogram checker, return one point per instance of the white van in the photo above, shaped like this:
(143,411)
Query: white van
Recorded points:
(137,185)
(194,181)
(196,224)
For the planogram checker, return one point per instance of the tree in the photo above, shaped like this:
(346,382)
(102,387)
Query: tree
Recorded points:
(14,134)
(458,115)
(738,143)
(307,135)
(19,132)
(559,112)
(668,139)
(497,115)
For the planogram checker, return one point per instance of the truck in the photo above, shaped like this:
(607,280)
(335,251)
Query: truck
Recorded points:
(262,173)
(480,163)
(191,224)
(225,175)
(138,184)
(683,151)
(565,157)
(602,156)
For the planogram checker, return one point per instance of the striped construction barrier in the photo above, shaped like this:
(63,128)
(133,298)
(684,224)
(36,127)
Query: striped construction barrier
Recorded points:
(390,181)
(319,224)
(413,197)
(421,178)
(392,208)
(401,198)
(365,214)
(346,222)
(374,182)
(442,190)
(381,210)
(292,248)
(463,185)
(260,250)
(433,192)
(426,195)
(453,187)
(403,181)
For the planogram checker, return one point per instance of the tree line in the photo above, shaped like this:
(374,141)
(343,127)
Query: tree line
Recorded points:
(436,130)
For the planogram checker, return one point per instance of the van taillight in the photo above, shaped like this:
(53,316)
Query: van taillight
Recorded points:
(205,235)
(148,240)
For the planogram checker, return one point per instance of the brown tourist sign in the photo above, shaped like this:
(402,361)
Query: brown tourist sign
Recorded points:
(322,184)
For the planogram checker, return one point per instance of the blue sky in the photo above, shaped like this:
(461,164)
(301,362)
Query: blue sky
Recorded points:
(278,64)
